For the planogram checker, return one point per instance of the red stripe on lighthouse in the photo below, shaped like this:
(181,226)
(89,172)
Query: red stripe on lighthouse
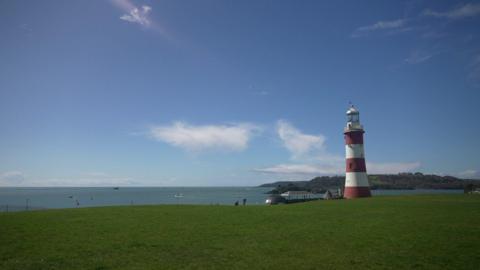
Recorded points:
(356,192)
(356,165)
(354,137)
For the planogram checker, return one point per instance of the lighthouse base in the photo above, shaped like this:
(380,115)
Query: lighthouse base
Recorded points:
(356,192)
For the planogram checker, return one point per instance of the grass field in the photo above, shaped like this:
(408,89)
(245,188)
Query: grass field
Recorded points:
(408,232)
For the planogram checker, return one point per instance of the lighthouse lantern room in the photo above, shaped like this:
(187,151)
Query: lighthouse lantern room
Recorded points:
(356,180)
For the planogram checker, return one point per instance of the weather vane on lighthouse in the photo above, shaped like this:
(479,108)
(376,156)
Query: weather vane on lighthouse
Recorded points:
(356,179)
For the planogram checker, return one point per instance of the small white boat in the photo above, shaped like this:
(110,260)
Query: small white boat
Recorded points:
(178,195)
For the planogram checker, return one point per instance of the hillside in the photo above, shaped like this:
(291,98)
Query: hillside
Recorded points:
(377,181)
(421,232)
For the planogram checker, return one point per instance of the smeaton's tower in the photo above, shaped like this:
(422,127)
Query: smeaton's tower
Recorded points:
(356,180)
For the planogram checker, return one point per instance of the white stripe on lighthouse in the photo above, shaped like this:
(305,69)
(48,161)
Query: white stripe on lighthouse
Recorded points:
(354,151)
(356,179)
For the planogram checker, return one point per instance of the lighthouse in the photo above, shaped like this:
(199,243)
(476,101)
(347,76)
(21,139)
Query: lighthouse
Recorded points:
(356,180)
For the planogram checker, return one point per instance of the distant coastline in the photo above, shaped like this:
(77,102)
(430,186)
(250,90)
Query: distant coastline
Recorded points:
(377,181)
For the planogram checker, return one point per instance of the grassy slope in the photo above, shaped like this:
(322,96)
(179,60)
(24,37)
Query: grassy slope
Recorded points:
(435,232)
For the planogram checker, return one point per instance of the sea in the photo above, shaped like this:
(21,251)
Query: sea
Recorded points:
(26,199)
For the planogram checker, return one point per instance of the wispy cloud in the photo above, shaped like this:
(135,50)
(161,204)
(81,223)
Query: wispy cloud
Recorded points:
(312,158)
(306,148)
(11,178)
(261,93)
(298,143)
(139,16)
(89,181)
(417,57)
(207,137)
(472,174)
(474,74)
(134,14)
(338,168)
(434,35)
(308,169)
(26,29)
(467,10)
(398,25)
(257,91)
(18,179)
(404,25)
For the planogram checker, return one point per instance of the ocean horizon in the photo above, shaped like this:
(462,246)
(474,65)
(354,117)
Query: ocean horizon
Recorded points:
(36,198)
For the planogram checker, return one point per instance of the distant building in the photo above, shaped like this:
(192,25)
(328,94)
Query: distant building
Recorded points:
(333,194)
(328,195)
(292,197)
(298,195)
(471,189)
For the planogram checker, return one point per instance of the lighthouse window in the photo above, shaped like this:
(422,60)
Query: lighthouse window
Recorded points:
(354,117)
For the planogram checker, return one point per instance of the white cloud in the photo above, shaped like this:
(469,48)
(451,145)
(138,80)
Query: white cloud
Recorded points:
(136,15)
(11,178)
(471,174)
(96,179)
(467,10)
(310,169)
(338,168)
(141,16)
(381,25)
(207,137)
(307,148)
(311,149)
(86,181)
(298,143)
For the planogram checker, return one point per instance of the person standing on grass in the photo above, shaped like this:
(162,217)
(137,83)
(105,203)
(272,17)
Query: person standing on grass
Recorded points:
(244,201)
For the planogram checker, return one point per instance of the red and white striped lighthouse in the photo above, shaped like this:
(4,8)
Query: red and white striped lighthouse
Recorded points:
(356,180)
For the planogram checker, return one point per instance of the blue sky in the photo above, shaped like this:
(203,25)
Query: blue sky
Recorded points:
(198,93)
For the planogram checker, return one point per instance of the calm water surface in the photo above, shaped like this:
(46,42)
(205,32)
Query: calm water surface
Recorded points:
(19,199)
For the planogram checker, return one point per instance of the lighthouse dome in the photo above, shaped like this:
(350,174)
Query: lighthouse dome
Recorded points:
(352,110)
(353,117)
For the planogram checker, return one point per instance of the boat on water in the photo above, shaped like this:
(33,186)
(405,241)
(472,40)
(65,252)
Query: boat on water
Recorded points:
(116,188)
(178,195)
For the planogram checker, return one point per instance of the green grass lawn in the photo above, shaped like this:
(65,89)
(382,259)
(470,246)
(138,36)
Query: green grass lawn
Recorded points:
(407,232)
